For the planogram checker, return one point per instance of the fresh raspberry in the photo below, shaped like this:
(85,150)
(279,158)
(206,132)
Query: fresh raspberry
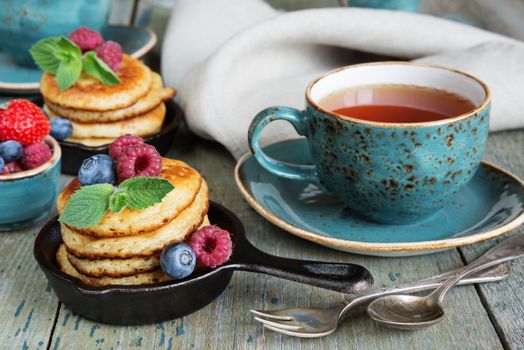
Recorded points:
(212,245)
(24,122)
(139,160)
(36,155)
(121,143)
(86,38)
(111,53)
(13,167)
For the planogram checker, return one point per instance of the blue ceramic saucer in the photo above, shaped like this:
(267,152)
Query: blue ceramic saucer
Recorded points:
(490,205)
(17,79)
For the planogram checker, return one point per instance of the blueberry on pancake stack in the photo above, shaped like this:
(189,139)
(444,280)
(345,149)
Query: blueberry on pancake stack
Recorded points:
(100,113)
(123,247)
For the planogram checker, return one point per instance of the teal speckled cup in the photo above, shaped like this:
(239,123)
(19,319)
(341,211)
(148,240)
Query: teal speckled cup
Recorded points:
(394,173)
(29,196)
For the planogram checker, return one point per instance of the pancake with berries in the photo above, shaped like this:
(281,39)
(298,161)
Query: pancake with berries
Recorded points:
(144,125)
(154,97)
(154,276)
(119,267)
(135,158)
(89,93)
(143,244)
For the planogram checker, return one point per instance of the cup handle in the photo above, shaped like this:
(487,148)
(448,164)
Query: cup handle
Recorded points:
(298,120)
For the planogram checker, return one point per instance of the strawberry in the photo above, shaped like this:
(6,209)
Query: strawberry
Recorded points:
(23,122)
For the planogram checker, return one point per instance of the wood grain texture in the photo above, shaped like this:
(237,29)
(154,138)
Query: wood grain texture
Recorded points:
(27,303)
(227,324)
(505,300)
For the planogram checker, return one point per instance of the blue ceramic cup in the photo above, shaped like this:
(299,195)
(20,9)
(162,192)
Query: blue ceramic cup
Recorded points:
(399,5)
(23,23)
(394,173)
(29,196)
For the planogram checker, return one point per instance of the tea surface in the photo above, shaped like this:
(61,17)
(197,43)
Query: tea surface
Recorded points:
(397,103)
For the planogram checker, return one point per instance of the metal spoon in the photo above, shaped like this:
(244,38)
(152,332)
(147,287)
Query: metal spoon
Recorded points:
(314,322)
(414,312)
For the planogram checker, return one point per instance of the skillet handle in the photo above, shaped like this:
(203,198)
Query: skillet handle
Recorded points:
(339,277)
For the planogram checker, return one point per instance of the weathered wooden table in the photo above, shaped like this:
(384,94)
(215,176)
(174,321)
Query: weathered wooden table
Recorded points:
(477,317)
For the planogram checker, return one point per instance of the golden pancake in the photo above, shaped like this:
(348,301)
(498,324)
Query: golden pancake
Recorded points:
(187,182)
(143,245)
(152,99)
(91,142)
(114,267)
(88,93)
(144,125)
(140,278)
(118,267)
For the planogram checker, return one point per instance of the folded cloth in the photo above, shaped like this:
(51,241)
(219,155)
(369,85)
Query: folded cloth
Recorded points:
(229,59)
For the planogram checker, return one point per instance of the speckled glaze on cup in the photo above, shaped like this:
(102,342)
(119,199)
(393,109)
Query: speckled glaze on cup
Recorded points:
(29,196)
(394,173)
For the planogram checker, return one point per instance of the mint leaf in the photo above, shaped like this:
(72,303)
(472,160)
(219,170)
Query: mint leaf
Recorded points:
(68,73)
(118,201)
(87,206)
(68,47)
(43,53)
(62,57)
(95,67)
(143,192)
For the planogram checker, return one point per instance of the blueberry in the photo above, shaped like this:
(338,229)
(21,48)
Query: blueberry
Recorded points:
(97,169)
(61,128)
(11,151)
(2,165)
(178,260)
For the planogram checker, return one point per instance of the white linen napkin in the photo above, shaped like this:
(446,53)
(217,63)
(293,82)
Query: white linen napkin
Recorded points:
(229,59)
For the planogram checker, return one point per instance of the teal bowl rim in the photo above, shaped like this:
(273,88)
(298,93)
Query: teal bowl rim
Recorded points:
(26,174)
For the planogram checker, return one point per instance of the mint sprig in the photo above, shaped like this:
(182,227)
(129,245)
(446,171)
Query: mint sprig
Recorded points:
(95,67)
(89,204)
(63,58)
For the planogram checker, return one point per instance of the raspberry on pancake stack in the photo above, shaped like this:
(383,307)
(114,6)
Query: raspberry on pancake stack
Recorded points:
(114,93)
(100,113)
(124,248)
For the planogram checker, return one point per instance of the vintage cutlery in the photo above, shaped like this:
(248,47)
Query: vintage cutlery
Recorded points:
(414,312)
(319,322)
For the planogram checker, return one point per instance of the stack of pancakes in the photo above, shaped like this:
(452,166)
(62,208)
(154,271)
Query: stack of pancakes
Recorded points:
(101,113)
(124,247)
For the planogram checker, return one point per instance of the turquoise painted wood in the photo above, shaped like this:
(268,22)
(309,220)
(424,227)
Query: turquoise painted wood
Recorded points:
(487,317)
(505,300)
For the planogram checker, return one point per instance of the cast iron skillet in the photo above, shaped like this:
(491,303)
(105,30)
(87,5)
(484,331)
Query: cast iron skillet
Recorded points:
(73,154)
(132,305)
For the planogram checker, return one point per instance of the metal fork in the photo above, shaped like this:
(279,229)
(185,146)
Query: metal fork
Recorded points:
(318,322)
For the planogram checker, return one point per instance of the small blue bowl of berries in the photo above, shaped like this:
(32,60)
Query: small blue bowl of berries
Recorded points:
(29,166)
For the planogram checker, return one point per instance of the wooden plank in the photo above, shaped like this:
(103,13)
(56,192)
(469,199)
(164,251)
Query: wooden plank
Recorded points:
(28,303)
(504,300)
(28,306)
(227,324)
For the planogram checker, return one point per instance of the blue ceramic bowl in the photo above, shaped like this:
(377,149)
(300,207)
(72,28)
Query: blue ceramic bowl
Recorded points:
(29,196)
(23,23)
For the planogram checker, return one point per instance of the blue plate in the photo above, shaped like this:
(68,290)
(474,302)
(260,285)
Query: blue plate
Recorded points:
(491,205)
(17,79)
